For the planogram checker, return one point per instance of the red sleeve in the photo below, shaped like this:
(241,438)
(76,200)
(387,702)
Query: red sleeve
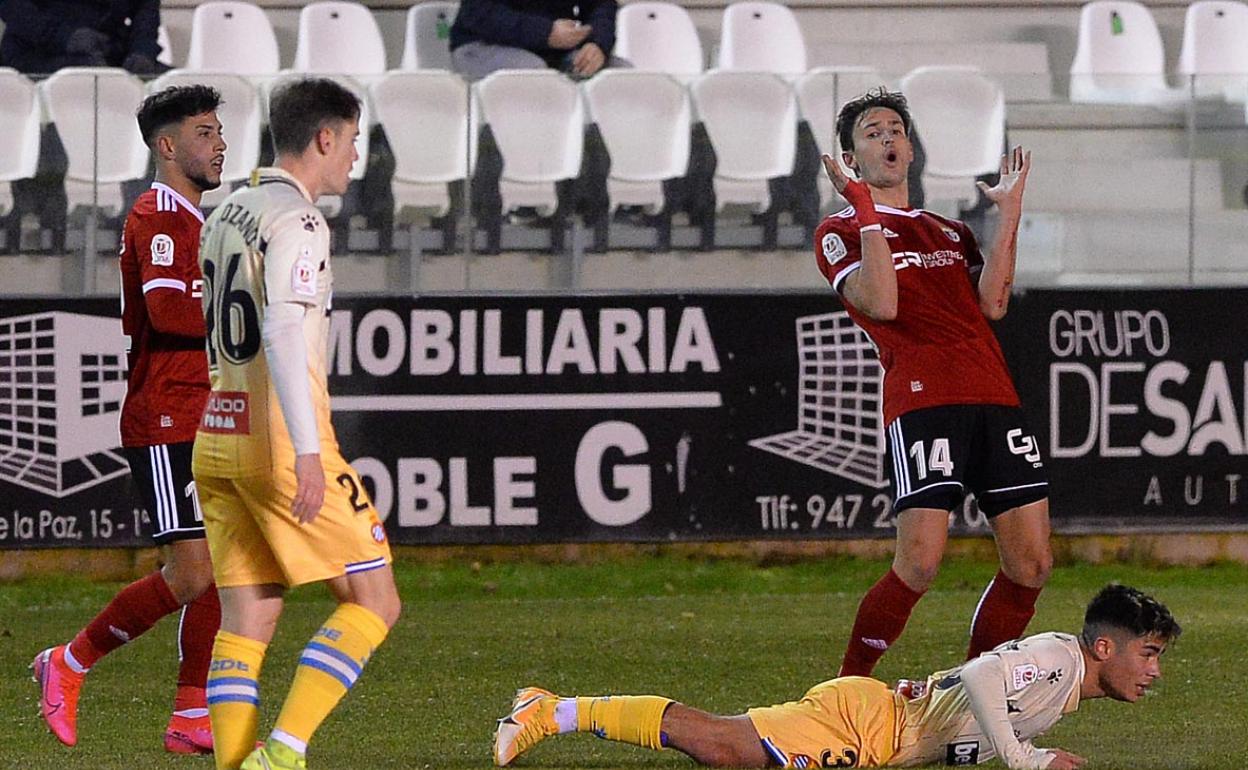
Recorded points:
(838,249)
(166,251)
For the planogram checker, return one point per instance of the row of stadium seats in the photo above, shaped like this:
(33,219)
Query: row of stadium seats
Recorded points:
(643,125)
(1120,57)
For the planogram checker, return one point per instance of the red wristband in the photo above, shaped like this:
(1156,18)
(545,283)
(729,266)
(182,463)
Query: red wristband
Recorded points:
(859,196)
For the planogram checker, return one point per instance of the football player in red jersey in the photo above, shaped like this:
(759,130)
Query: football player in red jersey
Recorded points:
(163,321)
(918,285)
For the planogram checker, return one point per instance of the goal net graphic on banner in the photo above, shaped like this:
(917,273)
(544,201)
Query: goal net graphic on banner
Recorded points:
(62,381)
(839,426)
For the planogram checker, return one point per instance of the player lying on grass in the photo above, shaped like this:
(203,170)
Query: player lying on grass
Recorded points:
(988,707)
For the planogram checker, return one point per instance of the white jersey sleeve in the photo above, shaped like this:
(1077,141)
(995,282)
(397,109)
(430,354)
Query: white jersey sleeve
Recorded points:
(994,705)
(294,258)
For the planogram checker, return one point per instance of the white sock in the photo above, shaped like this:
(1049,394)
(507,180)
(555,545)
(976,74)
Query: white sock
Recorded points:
(281,736)
(565,715)
(73,663)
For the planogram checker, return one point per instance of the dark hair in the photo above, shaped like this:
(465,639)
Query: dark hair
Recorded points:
(173,105)
(880,97)
(301,108)
(1123,608)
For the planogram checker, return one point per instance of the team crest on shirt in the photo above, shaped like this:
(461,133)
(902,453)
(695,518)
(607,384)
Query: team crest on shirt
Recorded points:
(953,234)
(303,276)
(162,250)
(833,248)
(1024,675)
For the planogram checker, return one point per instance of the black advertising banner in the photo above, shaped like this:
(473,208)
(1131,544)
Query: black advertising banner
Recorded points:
(513,419)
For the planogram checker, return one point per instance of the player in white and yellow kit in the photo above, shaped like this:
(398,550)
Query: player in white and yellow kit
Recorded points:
(988,707)
(281,506)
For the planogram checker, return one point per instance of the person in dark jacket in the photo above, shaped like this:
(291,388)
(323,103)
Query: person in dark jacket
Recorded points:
(43,36)
(574,37)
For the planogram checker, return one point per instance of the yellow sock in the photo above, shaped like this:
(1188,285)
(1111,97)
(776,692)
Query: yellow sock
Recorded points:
(632,719)
(234,697)
(328,667)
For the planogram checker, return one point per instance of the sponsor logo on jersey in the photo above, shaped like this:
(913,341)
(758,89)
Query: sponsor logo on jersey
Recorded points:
(166,421)
(162,250)
(962,753)
(953,234)
(226,412)
(916,386)
(833,248)
(1024,675)
(303,275)
(939,258)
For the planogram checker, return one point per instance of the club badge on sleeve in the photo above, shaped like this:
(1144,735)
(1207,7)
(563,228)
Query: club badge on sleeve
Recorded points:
(303,276)
(162,250)
(833,248)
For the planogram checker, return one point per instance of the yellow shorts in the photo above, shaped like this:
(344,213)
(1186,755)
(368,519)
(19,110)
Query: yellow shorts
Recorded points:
(254,539)
(846,722)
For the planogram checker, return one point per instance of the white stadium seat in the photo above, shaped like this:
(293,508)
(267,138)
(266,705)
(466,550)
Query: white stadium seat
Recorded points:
(235,37)
(537,120)
(19,130)
(659,37)
(820,95)
(751,118)
(431,133)
(1119,58)
(339,38)
(761,37)
(111,154)
(645,122)
(427,44)
(1215,48)
(165,56)
(960,117)
(241,123)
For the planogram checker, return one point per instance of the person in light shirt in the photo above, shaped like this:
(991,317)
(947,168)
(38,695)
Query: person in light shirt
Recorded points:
(992,706)
(282,508)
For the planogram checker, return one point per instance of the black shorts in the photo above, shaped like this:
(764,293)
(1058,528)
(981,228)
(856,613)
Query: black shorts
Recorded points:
(942,453)
(163,475)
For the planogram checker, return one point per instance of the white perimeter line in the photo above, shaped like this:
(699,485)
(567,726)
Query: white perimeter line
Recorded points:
(526,401)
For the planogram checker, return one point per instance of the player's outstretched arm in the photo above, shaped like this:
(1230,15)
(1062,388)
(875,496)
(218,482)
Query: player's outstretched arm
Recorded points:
(985,682)
(997,277)
(873,287)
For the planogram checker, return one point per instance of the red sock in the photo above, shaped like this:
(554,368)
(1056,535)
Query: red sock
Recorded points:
(1002,614)
(882,616)
(131,612)
(200,621)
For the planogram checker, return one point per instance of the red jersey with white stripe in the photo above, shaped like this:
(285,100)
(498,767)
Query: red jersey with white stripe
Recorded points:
(163,320)
(939,350)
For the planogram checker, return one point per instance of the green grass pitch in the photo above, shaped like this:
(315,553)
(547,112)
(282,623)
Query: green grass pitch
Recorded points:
(721,635)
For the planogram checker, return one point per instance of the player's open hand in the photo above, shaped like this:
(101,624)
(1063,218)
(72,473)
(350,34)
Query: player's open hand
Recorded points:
(833,169)
(1064,760)
(309,488)
(1008,191)
(853,190)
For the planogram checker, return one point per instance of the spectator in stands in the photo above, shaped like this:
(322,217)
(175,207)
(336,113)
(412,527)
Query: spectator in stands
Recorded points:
(43,36)
(573,37)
